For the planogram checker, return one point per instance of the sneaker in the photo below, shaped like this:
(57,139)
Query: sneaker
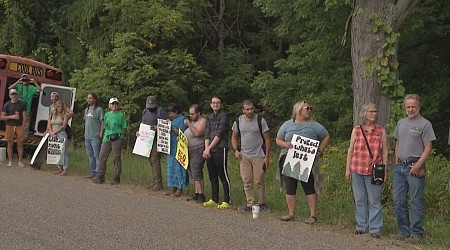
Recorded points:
(376,235)
(194,197)
(400,236)
(9,164)
(415,239)
(156,188)
(201,198)
(264,208)
(224,205)
(210,203)
(244,208)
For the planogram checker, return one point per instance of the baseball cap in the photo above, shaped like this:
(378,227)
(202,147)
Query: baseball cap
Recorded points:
(114,99)
(151,102)
(12,91)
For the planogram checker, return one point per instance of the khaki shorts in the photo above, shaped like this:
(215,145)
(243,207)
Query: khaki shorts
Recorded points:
(12,131)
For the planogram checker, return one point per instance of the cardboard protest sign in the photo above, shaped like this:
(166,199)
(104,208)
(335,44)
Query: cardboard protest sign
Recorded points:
(182,149)
(300,158)
(163,136)
(144,142)
(55,151)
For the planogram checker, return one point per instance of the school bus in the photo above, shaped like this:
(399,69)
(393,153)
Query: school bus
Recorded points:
(49,78)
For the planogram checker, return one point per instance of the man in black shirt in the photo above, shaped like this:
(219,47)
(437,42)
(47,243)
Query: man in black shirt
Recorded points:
(14,113)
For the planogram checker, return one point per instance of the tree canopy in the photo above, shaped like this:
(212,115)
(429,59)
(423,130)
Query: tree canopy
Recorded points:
(275,52)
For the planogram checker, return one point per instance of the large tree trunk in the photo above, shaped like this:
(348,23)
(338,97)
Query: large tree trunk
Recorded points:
(366,43)
(221,27)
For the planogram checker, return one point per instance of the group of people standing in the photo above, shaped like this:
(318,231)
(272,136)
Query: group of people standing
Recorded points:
(368,146)
(250,141)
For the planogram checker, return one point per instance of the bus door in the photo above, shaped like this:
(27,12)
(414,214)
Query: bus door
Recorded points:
(66,95)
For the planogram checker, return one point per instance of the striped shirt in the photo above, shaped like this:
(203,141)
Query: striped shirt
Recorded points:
(361,163)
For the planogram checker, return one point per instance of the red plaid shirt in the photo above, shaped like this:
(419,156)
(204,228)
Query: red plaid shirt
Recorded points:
(361,163)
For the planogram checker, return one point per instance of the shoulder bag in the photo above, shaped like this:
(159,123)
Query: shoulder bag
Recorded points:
(378,170)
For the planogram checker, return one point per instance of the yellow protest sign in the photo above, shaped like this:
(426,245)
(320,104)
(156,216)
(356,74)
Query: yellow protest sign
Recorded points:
(182,149)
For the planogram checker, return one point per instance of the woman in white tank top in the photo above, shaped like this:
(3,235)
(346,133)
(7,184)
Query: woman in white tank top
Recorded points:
(56,126)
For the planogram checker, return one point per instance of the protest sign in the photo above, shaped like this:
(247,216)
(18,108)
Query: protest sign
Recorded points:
(182,149)
(144,142)
(163,136)
(300,158)
(55,151)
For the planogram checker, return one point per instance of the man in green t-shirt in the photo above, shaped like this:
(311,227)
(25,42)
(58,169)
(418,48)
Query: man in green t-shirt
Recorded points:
(26,92)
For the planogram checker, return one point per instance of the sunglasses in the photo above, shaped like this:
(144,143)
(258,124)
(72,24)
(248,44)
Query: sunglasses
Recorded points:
(115,103)
(308,108)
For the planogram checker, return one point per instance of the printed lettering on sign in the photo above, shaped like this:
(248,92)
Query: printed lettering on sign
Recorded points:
(163,136)
(182,149)
(300,158)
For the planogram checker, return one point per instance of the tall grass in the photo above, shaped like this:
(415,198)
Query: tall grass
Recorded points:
(336,206)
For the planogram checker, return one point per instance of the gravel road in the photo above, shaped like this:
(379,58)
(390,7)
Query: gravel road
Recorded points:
(41,211)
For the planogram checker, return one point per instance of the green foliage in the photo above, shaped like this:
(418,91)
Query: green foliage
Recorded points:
(317,67)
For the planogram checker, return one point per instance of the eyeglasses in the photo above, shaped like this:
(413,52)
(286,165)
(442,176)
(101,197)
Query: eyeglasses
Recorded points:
(373,111)
(115,103)
(308,108)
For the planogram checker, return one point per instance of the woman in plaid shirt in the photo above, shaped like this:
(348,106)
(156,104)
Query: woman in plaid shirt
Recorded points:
(369,217)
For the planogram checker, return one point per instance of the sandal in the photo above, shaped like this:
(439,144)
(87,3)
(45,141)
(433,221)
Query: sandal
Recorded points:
(62,173)
(176,193)
(358,232)
(287,218)
(311,220)
(170,192)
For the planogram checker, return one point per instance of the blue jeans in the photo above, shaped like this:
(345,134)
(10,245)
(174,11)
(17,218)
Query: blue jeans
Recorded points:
(65,164)
(367,196)
(402,183)
(93,152)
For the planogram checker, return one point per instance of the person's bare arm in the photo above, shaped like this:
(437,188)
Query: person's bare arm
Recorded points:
(348,174)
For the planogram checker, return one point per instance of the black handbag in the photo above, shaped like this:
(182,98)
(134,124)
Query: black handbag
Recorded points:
(113,137)
(378,170)
(69,132)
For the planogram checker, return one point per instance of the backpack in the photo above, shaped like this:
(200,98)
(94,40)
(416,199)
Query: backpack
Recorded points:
(259,121)
(158,112)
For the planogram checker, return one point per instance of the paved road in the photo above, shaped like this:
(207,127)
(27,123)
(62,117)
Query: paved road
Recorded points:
(41,211)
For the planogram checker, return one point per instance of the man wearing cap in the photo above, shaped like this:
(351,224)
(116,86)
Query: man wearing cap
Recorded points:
(150,116)
(54,97)
(26,93)
(14,113)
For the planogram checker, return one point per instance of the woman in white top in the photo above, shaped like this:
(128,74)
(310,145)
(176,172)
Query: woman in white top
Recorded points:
(56,125)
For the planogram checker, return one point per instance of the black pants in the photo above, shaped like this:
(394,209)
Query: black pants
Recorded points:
(217,168)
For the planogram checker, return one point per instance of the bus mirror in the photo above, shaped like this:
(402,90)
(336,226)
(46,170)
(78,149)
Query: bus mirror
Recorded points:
(53,74)
(2,63)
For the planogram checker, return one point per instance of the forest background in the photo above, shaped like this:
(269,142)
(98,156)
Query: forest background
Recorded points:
(337,55)
(274,52)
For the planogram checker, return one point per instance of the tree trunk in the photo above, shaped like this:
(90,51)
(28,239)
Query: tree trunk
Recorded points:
(367,43)
(221,27)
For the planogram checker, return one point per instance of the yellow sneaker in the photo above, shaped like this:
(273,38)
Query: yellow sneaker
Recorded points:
(210,203)
(224,205)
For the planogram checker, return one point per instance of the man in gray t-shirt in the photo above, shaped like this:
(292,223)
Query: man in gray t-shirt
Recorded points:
(414,135)
(252,153)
